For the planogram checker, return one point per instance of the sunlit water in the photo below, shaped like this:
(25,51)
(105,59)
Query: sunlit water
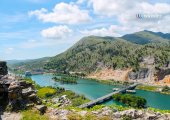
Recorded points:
(93,89)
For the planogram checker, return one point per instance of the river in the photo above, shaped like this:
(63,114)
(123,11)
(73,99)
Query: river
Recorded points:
(93,89)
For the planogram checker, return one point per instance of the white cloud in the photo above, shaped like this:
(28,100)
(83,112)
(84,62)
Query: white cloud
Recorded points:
(120,7)
(53,36)
(111,31)
(56,32)
(125,12)
(63,13)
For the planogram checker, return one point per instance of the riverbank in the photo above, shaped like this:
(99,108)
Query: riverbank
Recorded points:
(57,96)
(146,87)
(152,88)
(92,89)
(111,82)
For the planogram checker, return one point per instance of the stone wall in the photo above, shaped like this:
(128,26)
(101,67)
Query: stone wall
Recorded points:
(3,68)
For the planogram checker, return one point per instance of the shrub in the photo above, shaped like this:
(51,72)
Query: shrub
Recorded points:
(105,118)
(74,117)
(119,107)
(158,110)
(166,89)
(65,79)
(46,92)
(130,100)
(97,107)
(33,115)
(147,87)
(126,117)
(77,101)
(89,116)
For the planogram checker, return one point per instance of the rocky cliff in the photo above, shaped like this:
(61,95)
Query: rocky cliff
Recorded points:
(109,74)
(141,74)
(3,68)
(18,94)
(15,93)
(160,74)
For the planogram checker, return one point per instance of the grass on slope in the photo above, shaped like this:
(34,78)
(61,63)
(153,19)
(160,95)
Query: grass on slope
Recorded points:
(147,87)
(46,92)
(33,115)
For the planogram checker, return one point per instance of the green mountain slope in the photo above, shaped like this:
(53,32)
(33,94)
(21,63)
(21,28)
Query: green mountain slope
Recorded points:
(145,37)
(88,52)
(28,64)
(94,52)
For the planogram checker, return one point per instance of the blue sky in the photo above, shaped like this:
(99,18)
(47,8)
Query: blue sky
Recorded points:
(39,28)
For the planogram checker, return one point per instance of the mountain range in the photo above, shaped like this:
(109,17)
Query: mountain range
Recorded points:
(93,52)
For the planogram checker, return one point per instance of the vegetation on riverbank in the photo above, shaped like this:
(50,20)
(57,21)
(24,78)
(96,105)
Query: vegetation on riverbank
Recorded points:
(147,88)
(162,90)
(68,78)
(111,82)
(159,110)
(65,79)
(165,90)
(48,93)
(130,100)
(68,74)
(75,99)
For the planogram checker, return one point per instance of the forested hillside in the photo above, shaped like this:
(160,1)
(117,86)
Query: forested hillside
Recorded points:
(94,52)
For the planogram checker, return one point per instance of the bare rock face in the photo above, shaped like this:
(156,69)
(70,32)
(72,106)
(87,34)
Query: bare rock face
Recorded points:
(3,68)
(141,74)
(21,93)
(162,73)
(16,93)
(41,108)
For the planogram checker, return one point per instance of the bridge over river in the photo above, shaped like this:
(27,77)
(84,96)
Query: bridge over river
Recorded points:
(108,96)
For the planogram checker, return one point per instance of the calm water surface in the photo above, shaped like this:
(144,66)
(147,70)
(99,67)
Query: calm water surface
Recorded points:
(93,89)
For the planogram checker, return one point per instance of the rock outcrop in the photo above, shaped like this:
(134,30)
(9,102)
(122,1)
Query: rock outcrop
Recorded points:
(141,74)
(162,73)
(18,93)
(41,108)
(15,93)
(3,68)
(109,74)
